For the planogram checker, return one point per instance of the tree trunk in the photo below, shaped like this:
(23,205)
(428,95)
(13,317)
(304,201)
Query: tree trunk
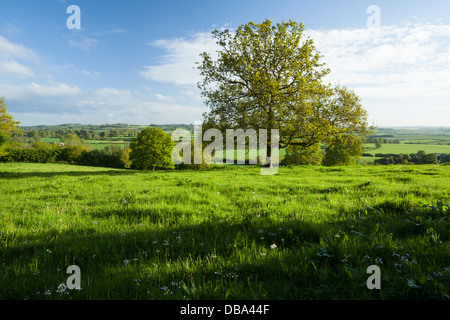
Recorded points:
(269,137)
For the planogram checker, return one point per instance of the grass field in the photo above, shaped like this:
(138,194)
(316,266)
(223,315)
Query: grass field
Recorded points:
(224,233)
(407,148)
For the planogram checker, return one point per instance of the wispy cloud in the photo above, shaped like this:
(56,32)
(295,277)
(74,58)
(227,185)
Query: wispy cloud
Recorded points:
(178,66)
(92,74)
(109,32)
(11,67)
(10,50)
(84,43)
(10,29)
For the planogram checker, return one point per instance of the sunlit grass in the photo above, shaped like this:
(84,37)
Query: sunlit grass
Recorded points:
(224,233)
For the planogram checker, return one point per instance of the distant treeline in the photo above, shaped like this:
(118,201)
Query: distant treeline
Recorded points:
(92,132)
(111,156)
(420,157)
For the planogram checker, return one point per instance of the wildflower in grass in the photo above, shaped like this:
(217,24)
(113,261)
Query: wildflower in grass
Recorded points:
(126,262)
(62,289)
(273,246)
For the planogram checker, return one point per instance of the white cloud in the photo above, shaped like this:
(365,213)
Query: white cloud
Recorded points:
(86,44)
(162,97)
(60,89)
(35,90)
(92,74)
(9,50)
(113,93)
(179,66)
(405,60)
(9,67)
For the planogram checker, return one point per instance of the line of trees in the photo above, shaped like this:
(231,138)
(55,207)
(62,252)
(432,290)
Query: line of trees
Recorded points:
(81,133)
(421,157)
(111,156)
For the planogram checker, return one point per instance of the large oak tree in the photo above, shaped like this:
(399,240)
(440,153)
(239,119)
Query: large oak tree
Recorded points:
(271,77)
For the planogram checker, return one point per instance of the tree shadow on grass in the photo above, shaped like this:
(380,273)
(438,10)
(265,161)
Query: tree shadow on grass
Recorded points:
(242,258)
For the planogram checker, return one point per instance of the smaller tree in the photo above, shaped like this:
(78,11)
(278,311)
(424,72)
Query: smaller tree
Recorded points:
(151,149)
(125,157)
(343,150)
(192,164)
(72,139)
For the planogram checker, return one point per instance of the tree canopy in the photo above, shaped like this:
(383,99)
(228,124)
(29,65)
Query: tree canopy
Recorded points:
(7,124)
(151,149)
(270,76)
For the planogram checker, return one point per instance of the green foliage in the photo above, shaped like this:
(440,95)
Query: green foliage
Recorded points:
(302,156)
(72,139)
(7,124)
(125,157)
(4,138)
(445,158)
(29,155)
(193,165)
(151,149)
(270,77)
(429,159)
(343,150)
(71,154)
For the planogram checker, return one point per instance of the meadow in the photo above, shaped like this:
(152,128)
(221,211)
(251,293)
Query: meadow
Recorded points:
(224,233)
(405,148)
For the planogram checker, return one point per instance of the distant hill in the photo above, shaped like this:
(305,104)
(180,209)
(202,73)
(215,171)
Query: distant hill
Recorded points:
(121,126)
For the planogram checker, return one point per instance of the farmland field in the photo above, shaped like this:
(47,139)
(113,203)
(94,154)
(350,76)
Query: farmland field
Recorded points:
(408,148)
(224,233)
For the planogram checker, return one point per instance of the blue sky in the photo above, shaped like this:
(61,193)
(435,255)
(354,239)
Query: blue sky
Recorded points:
(132,61)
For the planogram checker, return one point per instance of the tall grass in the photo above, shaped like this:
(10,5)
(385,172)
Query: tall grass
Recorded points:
(224,233)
